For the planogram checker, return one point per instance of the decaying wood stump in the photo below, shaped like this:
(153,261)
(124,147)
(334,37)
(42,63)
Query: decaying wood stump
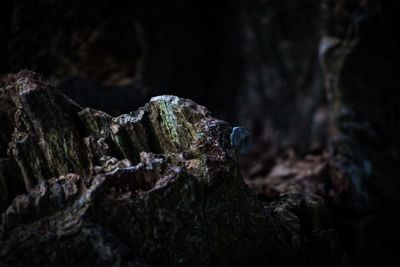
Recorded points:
(155,187)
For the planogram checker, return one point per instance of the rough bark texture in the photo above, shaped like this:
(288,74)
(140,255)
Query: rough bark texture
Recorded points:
(159,186)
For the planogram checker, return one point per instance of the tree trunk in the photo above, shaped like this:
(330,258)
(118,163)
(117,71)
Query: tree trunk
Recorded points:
(360,58)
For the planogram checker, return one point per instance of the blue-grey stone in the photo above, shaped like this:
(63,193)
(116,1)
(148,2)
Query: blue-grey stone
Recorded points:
(241,140)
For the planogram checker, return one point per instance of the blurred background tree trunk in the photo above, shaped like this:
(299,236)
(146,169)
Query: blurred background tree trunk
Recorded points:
(360,55)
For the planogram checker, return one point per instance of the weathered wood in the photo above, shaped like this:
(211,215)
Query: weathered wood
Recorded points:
(159,186)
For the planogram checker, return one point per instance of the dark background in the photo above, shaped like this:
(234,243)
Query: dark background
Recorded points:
(253,63)
(296,73)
